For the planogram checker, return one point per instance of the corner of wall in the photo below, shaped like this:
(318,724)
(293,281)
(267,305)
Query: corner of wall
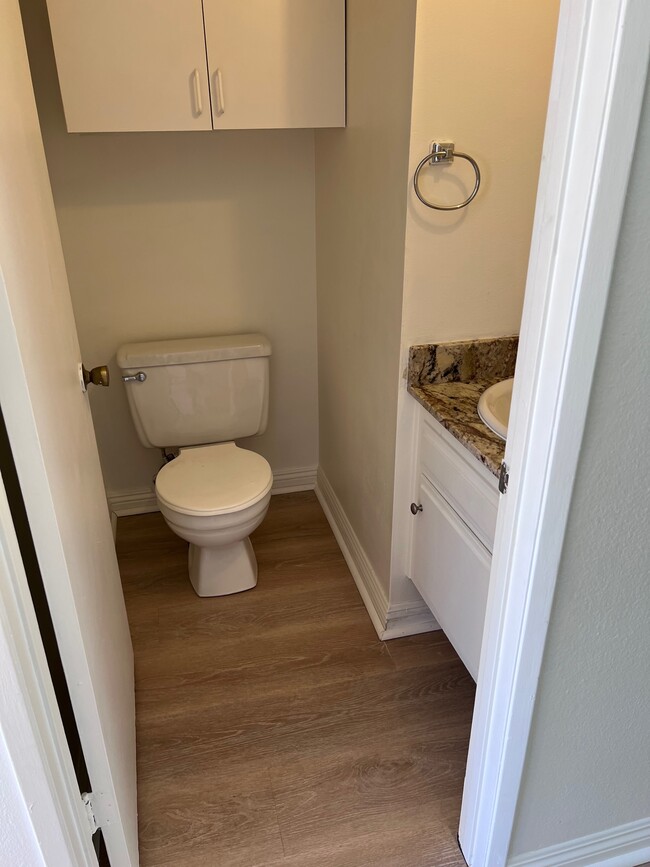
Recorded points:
(405,617)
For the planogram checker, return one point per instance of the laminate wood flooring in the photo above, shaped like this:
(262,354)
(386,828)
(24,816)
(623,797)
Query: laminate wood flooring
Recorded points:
(274,729)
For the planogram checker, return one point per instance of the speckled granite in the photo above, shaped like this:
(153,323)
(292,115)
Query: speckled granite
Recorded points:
(466,361)
(448,379)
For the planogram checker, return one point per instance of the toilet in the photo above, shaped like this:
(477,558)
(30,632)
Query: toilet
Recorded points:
(197,396)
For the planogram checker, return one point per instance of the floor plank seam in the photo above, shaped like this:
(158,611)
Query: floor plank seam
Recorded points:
(277,814)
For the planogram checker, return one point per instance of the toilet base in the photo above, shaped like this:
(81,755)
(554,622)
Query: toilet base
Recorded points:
(222,570)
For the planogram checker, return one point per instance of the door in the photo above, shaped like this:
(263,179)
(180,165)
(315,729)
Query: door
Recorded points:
(451,569)
(276,63)
(50,429)
(131,65)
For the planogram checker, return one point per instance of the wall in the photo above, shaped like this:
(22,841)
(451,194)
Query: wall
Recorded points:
(360,205)
(18,842)
(587,764)
(178,234)
(481,79)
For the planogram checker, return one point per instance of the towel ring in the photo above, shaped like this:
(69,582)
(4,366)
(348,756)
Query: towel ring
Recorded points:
(443,152)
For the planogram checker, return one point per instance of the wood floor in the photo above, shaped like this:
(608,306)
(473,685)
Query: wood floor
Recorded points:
(274,729)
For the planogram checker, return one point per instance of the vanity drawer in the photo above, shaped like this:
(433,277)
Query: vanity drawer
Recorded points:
(451,570)
(468,486)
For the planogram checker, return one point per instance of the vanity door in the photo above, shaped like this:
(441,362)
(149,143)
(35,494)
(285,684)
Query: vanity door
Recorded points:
(451,570)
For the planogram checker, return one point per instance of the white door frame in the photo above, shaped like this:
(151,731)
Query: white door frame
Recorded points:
(597,90)
(37,757)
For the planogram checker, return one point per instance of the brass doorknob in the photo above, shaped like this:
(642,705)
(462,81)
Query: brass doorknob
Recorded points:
(98,376)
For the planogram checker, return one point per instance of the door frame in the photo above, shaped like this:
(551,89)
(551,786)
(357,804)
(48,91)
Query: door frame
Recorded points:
(46,789)
(597,89)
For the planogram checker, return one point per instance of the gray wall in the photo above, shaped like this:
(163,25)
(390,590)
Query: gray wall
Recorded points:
(361,185)
(588,765)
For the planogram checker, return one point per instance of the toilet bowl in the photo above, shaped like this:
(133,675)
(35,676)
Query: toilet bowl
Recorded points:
(214,496)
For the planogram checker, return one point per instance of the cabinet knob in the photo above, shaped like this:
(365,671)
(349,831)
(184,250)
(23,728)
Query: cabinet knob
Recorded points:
(415,508)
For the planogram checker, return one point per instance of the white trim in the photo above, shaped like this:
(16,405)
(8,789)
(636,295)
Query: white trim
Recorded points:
(31,726)
(625,846)
(405,480)
(389,621)
(141,501)
(408,618)
(368,584)
(598,83)
(295,479)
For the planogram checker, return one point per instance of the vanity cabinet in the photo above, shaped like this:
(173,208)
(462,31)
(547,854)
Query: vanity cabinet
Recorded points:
(453,536)
(145,65)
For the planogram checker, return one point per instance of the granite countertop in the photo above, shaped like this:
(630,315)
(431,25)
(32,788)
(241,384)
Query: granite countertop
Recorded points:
(448,379)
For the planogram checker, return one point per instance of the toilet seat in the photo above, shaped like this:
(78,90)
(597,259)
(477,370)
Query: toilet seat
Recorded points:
(214,480)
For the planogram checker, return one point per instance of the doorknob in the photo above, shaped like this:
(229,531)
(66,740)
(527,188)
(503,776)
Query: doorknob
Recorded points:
(98,376)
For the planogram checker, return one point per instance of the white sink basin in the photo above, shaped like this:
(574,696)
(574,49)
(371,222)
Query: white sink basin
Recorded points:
(494,407)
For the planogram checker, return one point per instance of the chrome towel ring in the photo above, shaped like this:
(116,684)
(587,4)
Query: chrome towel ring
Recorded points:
(444,153)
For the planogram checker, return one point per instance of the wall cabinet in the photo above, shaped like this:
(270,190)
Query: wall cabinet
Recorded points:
(453,536)
(145,65)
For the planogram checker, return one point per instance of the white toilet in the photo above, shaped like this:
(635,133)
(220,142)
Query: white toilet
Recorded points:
(200,394)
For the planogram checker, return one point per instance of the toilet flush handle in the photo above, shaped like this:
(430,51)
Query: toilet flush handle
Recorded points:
(140,376)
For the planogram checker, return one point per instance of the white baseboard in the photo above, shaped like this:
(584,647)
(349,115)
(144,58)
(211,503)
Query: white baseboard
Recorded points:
(368,584)
(134,502)
(140,501)
(292,480)
(412,619)
(389,622)
(625,846)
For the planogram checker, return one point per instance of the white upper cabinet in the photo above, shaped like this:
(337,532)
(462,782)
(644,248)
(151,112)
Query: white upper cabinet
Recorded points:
(276,63)
(131,65)
(141,65)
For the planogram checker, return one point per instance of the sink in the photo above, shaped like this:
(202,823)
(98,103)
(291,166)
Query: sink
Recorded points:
(494,407)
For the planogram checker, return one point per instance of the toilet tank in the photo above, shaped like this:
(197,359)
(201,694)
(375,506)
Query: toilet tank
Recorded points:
(197,390)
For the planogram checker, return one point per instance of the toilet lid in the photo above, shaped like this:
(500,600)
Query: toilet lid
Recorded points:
(212,480)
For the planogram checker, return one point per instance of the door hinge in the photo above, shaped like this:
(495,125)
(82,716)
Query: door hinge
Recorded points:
(504,477)
(93,824)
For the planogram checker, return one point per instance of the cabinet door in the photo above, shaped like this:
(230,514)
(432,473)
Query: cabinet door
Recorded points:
(276,63)
(129,65)
(451,569)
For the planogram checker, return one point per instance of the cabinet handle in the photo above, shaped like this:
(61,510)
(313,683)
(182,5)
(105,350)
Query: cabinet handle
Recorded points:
(415,508)
(218,93)
(198,102)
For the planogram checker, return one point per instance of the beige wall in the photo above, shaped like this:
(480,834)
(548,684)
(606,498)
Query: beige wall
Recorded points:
(587,764)
(180,234)
(361,175)
(481,79)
